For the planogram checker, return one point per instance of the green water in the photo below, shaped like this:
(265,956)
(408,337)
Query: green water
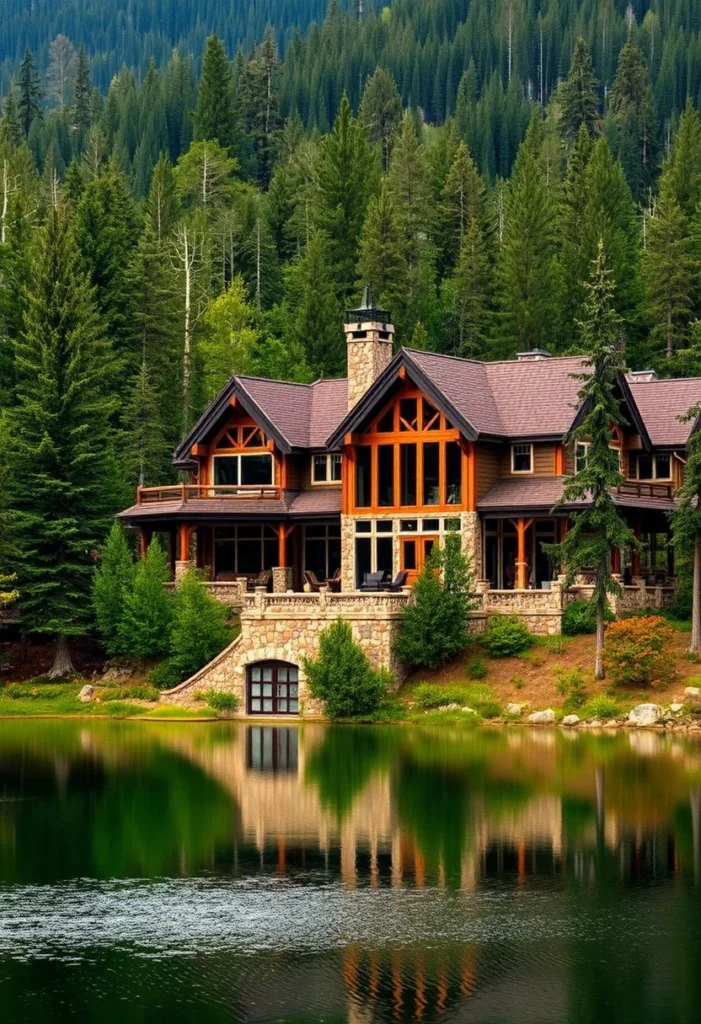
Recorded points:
(165,872)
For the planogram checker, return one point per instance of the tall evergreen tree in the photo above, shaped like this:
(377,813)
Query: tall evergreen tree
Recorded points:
(29,93)
(382,262)
(113,580)
(315,315)
(66,472)
(466,298)
(579,96)
(214,114)
(462,202)
(258,93)
(381,112)
(635,118)
(667,274)
(82,97)
(686,519)
(684,168)
(599,529)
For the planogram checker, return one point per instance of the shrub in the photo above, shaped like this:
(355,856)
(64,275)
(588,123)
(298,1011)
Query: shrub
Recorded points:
(113,580)
(554,644)
(199,630)
(580,617)
(221,700)
(165,675)
(144,629)
(601,706)
(517,682)
(505,635)
(30,691)
(342,676)
(570,685)
(476,668)
(435,626)
(137,691)
(636,650)
(428,697)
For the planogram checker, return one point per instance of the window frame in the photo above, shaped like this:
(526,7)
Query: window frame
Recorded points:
(654,478)
(522,472)
(332,459)
(275,666)
(243,455)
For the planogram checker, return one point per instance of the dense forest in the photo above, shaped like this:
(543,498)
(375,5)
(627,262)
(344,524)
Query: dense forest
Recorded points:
(196,218)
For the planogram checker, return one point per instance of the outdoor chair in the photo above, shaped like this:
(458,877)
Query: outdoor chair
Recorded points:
(314,583)
(397,583)
(334,582)
(263,579)
(372,581)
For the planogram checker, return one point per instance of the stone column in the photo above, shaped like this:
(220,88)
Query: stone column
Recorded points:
(282,579)
(347,553)
(182,566)
(184,562)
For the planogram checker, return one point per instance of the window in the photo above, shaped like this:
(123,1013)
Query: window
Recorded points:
(270,748)
(246,549)
(432,491)
(521,458)
(385,475)
(322,549)
(363,467)
(273,688)
(408,475)
(247,470)
(326,469)
(645,466)
(453,473)
(581,455)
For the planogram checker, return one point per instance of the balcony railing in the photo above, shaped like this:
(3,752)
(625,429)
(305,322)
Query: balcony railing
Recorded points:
(195,492)
(640,489)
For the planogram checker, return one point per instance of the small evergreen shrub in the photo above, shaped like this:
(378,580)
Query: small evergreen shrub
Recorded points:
(165,675)
(579,617)
(113,580)
(571,687)
(221,700)
(505,636)
(435,626)
(199,630)
(601,706)
(144,628)
(636,650)
(343,677)
(477,668)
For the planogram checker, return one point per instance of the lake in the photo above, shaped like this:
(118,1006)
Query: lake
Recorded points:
(230,872)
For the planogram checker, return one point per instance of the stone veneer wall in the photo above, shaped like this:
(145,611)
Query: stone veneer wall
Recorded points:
(286,627)
(367,357)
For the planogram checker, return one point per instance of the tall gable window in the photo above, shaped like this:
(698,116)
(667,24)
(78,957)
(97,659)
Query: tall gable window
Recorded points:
(326,469)
(521,458)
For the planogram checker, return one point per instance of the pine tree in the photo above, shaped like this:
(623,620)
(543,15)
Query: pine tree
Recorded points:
(11,122)
(686,519)
(462,202)
(144,629)
(382,262)
(65,468)
(315,316)
(230,338)
(466,298)
(199,630)
(575,258)
(528,271)
(29,93)
(667,274)
(258,94)
(381,112)
(599,529)
(113,580)
(684,168)
(214,113)
(82,98)
(579,97)
(145,449)
(347,178)
(633,107)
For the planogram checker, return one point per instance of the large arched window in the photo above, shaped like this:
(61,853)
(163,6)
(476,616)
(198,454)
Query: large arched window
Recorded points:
(272,688)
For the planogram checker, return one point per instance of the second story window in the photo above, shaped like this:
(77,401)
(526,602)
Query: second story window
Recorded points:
(645,466)
(243,470)
(581,455)
(521,458)
(326,469)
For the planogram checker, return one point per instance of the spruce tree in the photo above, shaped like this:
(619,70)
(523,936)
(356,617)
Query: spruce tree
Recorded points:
(11,122)
(599,529)
(579,97)
(667,274)
(382,262)
(82,98)
(65,466)
(462,202)
(146,450)
(381,112)
(347,178)
(632,105)
(686,521)
(199,630)
(113,580)
(144,629)
(29,93)
(258,94)
(214,114)
(575,258)
(315,315)
(466,298)
(683,170)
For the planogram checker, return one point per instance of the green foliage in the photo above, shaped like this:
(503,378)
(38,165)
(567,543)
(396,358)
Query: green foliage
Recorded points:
(571,686)
(113,580)
(165,675)
(131,691)
(199,630)
(342,676)
(580,617)
(435,626)
(601,706)
(145,626)
(31,691)
(505,636)
(477,668)
(221,700)
(431,696)
(553,644)
(579,96)
(637,650)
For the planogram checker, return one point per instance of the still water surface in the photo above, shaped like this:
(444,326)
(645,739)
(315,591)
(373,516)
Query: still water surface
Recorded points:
(235,873)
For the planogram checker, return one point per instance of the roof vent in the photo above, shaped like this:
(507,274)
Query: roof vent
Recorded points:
(533,355)
(642,376)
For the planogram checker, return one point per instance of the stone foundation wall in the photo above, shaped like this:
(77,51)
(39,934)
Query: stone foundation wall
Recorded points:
(286,627)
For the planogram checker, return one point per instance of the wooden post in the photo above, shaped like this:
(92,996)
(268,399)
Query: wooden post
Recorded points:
(559,460)
(282,545)
(185,530)
(521,559)
(145,536)
(616,561)
(635,561)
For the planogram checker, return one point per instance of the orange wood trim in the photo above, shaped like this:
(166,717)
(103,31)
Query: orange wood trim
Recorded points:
(283,472)
(374,474)
(145,536)
(522,526)
(198,449)
(442,483)
(282,545)
(233,401)
(401,373)
(472,478)
(559,460)
(185,531)
(420,474)
(397,474)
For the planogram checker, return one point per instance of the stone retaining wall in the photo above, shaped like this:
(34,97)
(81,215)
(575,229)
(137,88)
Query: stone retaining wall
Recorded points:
(286,627)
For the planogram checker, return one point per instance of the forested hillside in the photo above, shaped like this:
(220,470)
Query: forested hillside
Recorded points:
(210,217)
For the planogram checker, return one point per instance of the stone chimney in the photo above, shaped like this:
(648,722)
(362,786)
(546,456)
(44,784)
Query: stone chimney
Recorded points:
(369,336)
(533,356)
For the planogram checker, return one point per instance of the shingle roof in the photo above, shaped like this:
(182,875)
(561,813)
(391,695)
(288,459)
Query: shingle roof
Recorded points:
(520,495)
(511,398)
(292,504)
(661,402)
(306,414)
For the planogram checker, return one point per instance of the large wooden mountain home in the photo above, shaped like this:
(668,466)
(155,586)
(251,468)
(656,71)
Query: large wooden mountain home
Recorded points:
(294,485)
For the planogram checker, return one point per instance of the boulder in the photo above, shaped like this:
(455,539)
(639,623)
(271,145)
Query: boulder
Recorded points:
(514,709)
(676,708)
(546,717)
(645,714)
(86,694)
(692,693)
(570,720)
(470,711)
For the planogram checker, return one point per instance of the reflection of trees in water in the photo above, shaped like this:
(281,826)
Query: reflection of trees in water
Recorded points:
(342,765)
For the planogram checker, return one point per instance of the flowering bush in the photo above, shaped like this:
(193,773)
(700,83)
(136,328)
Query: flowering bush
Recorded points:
(636,650)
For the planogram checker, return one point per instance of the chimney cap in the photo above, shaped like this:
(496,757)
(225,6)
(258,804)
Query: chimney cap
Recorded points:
(643,376)
(367,310)
(532,355)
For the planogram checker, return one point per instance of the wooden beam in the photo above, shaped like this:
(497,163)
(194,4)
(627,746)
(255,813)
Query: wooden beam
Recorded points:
(185,532)
(282,545)
(522,526)
(559,460)
(145,535)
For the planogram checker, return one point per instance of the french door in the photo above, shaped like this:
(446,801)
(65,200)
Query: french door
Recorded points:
(414,554)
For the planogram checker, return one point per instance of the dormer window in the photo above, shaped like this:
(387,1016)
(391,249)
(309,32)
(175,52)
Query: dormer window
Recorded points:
(645,466)
(521,458)
(326,469)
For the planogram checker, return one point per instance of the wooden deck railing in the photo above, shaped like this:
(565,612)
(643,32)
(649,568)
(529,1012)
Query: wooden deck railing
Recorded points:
(195,492)
(639,489)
